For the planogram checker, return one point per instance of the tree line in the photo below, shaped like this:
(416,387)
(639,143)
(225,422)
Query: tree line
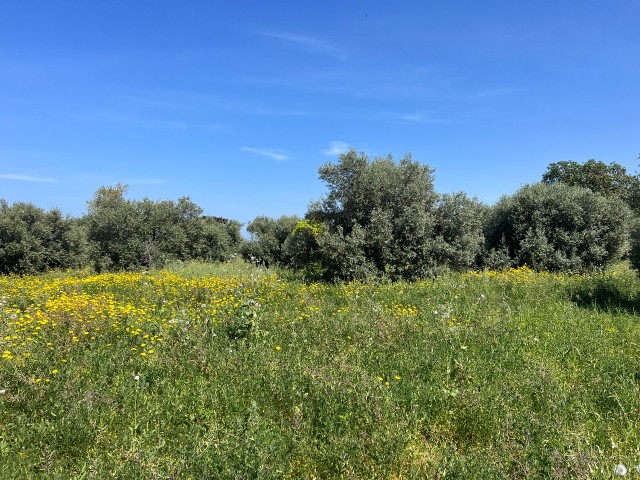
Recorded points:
(380,217)
(115,234)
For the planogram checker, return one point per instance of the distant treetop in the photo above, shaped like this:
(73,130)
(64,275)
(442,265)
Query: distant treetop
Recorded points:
(607,180)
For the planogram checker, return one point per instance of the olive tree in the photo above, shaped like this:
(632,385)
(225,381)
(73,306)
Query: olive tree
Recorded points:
(608,180)
(459,235)
(557,227)
(33,240)
(379,214)
(114,227)
(268,236)
(126,234)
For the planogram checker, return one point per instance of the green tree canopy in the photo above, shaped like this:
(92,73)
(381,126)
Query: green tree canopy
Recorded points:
(607,180)
(33,240)
(557,228)
(384,217)
(268,236)
(125,234)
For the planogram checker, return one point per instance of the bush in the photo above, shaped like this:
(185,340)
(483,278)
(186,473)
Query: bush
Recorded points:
(32,240)
(557,228)
(303,249)
(343,256)
(113,230)
(634,251)
(607,180)
(126,235)
(384,217)
(459,236)
(380,212)
(268,236)
(214,239)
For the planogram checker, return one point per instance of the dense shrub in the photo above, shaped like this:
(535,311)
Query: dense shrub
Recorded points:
(113,227)
(558,228)
(459,236)
(268,236)
(125,234)
(384,217)
(634,251)
(33,240)
(607,180)
(343,256)
(302,248)
(380,212)
(214,239)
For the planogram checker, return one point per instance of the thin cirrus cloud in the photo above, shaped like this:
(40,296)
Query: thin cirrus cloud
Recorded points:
(26,178)
(276,155)
(309,43)
(422,117)
(336,148)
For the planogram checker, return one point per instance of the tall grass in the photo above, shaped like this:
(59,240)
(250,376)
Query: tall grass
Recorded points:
(248,375)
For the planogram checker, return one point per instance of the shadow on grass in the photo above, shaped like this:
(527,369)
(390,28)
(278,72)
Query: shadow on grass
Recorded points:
(607,294)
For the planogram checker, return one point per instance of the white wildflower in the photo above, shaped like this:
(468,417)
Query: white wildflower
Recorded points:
(136,378)
(621,470)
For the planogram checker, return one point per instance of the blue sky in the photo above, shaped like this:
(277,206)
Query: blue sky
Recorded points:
(237,104)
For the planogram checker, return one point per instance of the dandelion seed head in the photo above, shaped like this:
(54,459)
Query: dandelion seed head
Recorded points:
(621,470)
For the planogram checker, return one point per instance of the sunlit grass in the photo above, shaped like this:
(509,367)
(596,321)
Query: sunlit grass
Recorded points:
(230,371)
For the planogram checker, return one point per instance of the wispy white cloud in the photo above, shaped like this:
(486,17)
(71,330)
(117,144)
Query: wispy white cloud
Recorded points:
(336,148)
(422,117)
(276,155)
(412,117)
(310,43)
(26,178)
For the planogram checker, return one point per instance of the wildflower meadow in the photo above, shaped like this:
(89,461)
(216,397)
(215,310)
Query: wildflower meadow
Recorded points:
(234,371)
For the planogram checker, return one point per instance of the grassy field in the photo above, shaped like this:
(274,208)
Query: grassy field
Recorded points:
(232,371)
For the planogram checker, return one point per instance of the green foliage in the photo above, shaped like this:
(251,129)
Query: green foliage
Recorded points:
(557,228)
(32,240)
(360,188)
(303,250)
(343,255)
(268,236)
(126,235)
(214,239)
(380,212)
(459,236)
(162,230)
(384,218)
(634,253)
(113,230)
(607,180)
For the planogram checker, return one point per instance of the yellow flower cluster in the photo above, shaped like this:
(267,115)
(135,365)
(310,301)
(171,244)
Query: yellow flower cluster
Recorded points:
(522,274)
(398,310)
(56,317)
